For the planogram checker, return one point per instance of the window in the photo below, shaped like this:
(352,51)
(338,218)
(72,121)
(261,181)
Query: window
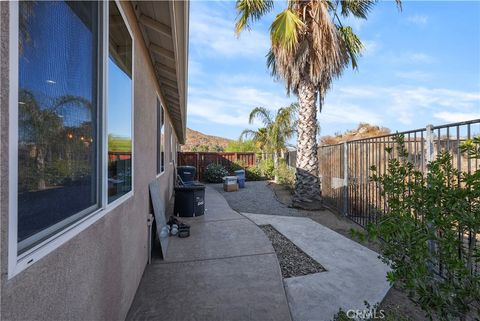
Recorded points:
(161,138)
(171,144)
(119,106)
(58,117)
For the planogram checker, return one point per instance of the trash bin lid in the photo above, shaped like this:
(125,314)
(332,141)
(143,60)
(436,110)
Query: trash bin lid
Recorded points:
(192,187)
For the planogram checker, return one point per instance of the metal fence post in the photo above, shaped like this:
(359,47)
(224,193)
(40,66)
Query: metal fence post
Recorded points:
(345,178)
(428,145)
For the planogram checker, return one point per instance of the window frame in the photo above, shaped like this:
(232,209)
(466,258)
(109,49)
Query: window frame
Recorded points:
(126,196)
(160,141)
(172,139)
(19,262)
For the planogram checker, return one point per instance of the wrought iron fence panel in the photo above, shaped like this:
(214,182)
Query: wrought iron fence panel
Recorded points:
(344,169)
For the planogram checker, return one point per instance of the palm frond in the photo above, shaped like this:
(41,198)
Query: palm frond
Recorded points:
(271,63)
(261,113)
(352,42)
(249,11)
(358,8)
(284,30)
(246,133)
(399,4)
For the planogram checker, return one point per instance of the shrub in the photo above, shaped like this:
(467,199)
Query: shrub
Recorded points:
(241,146)
(254,173)
(427,215)
(286,175)
(267,168)
(236,165)
(214,173)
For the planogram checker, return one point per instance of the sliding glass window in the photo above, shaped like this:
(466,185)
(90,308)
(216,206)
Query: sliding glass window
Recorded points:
(160,138)
(119,106)
(58,158)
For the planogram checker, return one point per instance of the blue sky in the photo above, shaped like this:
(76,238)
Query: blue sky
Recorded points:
(420,66)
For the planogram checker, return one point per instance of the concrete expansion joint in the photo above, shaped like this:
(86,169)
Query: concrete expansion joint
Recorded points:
(213,258)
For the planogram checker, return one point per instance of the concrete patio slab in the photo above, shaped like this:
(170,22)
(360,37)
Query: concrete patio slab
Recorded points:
(240,288)
(354,273)
(226,270)
(218,239)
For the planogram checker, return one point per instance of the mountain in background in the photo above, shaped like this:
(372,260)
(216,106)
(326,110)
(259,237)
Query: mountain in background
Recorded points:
(364,130)
(199,142)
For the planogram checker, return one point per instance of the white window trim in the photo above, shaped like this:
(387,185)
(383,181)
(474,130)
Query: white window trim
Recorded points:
(171,143)
(161,140)
(18,263)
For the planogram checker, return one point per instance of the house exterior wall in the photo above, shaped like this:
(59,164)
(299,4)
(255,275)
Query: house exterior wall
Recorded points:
(94,275)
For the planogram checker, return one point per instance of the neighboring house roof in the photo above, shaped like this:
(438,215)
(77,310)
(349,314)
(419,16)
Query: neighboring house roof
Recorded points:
(164,25)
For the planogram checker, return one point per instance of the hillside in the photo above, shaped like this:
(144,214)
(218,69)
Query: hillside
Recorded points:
(363,130)
(197,141)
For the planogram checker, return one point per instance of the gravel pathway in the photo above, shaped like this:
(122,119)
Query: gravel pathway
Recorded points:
(293,261)
(256,197)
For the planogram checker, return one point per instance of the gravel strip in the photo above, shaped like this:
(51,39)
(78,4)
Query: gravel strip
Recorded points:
(293,261)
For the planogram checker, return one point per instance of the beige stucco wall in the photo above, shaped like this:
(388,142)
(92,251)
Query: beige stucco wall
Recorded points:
(94,275)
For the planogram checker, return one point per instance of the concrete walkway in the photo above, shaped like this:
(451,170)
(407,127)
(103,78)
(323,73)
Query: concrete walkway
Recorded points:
(354,273)
(226,270)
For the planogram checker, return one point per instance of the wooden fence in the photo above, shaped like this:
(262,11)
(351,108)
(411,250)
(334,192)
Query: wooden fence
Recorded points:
(201,160)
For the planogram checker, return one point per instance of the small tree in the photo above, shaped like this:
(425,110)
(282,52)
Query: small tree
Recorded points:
(277,129)
(428,231)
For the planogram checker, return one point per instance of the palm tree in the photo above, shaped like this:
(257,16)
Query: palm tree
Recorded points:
(259,138)
(310,46)
(276,131)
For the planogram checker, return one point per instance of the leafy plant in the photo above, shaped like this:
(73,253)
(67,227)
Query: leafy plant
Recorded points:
(241,146)
(429,228)
(277,130)
(267,168)
(236,165)
(254,173)
(285,174)
(214,173)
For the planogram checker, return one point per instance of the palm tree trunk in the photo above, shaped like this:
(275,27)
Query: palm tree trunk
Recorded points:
(307,183)
(40,162)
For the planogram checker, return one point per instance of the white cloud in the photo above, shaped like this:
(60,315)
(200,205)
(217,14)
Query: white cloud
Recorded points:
(419,57)
(418,19)
(403,104)
(371,47)
(212,34)
(453,117)
(414,75)
(348,114)
(229,104)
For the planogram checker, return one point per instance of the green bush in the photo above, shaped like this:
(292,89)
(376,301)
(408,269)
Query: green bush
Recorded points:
(236,165)
(267,168)
(254,173)
(286,175)
(426,214)
(214,173)
(241,146)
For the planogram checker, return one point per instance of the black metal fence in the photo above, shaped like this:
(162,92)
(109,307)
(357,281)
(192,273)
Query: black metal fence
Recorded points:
(344,168)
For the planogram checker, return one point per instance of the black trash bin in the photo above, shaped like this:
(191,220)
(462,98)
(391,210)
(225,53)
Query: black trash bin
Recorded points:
(189,200)
(187,174)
